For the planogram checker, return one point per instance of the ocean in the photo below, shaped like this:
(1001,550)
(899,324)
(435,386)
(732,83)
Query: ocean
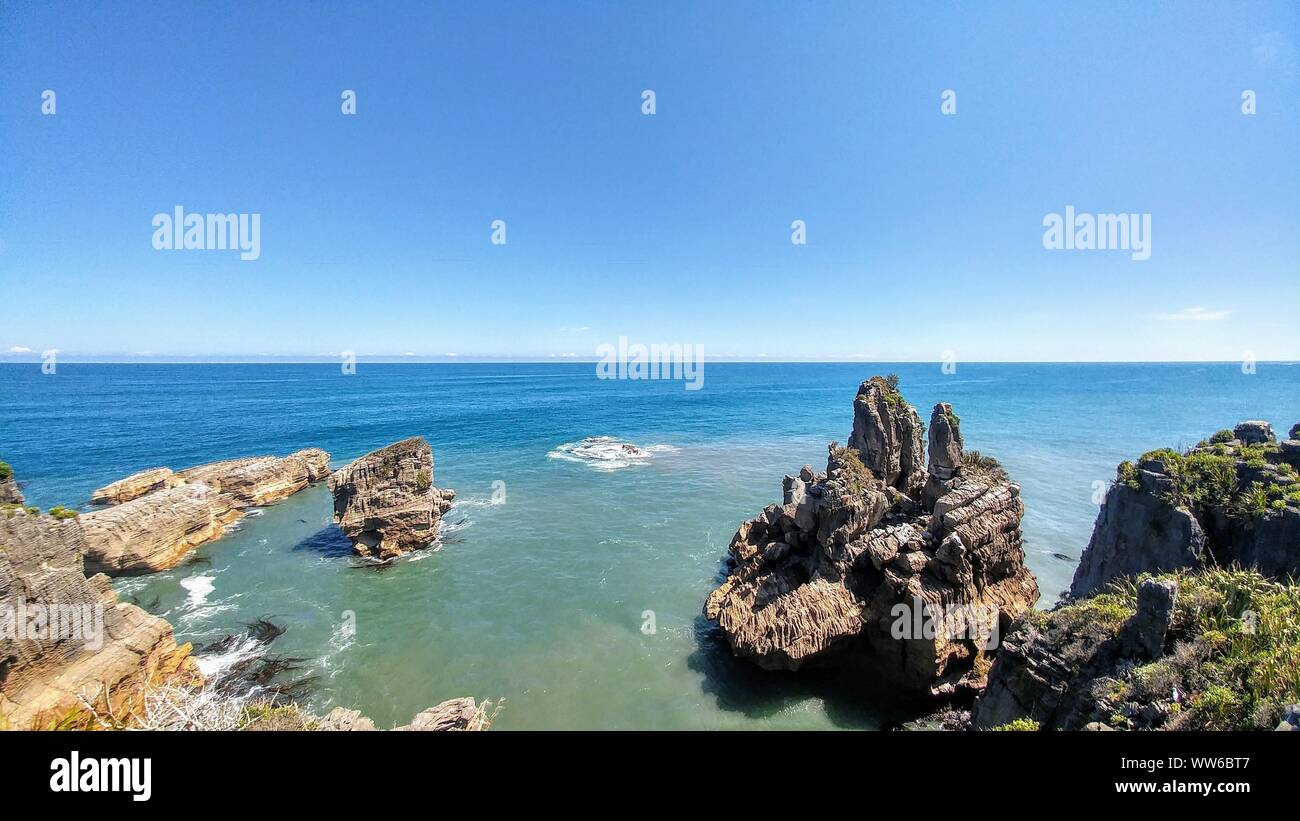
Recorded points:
(570,583)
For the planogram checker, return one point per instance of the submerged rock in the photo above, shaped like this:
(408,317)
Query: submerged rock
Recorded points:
(1232,501)
(103,653)
(385,502)
(855,568)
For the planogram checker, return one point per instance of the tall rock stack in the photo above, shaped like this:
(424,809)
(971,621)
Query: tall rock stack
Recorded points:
(385,502)
(887,435)
(856,566)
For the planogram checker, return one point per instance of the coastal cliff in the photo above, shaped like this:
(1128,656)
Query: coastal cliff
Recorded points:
(1231,500)
(879,560)
(156,517)
(66,643)
(385,502)
(1184,612)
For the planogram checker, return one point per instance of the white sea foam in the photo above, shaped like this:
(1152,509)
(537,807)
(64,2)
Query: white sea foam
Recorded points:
(199,588)
(213,664)
(607,453)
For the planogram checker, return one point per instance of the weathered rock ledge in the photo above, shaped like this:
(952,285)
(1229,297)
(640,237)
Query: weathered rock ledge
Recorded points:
(879,561)
(385,502)
(65,640)
(156,517)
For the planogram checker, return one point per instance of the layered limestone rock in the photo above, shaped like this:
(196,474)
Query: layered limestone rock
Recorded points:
(262,480)
(1234,500)
(155,531)
(385,502)
(70,653)
(887,434)
(156,517)
(857,567)
(135,486)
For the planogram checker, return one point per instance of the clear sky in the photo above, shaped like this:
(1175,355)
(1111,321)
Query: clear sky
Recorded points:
(924,230)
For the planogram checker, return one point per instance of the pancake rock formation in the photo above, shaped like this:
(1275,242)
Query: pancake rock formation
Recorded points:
(66,642)
(155,531)
(385,502)
(879,561)
(154,518)
(1231,500)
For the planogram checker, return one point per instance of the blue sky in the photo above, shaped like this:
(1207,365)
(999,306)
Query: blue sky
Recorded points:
(924,230)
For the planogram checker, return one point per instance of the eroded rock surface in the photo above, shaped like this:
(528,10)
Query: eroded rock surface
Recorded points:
(385,502)
(855,564)
(103,652)
(262,480)
(135,486)
(156,517)
(155,531)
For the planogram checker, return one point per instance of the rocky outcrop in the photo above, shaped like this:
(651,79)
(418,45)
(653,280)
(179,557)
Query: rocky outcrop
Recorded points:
(1234,500)
(385,502)
(887,434)
(156,517)
(68,649)
(855,566)
(1210,649)
(135,486)
(451,715)
(9,492)
(262,480)
(156,531)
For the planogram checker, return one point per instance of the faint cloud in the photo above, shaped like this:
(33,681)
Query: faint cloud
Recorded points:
(1274,50)
(580,330)
(1195,315)
(20,349)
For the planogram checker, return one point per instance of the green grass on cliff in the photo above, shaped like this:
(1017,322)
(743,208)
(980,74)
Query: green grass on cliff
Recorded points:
(6,472)
(1206,479)
(1232,660)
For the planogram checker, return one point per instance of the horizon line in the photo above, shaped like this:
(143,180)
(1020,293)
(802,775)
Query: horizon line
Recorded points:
(392,359)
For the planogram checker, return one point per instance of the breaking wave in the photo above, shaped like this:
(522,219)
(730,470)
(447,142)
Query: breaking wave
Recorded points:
(607,453)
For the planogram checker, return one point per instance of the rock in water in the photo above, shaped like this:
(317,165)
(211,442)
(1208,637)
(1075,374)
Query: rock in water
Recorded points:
(853,569)
(155,531)
(156,517)
(135,486)
(262,480)
(385,502)
(118,652)
(1231,501)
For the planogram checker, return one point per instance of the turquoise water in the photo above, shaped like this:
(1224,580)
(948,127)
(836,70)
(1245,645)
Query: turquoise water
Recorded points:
(540,599)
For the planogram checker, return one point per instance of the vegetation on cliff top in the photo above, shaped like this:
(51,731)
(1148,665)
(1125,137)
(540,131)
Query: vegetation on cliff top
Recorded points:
(6,472)
(1208,478)
(1232,660)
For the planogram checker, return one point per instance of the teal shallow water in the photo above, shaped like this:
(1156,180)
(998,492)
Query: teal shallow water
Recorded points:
(540,600)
